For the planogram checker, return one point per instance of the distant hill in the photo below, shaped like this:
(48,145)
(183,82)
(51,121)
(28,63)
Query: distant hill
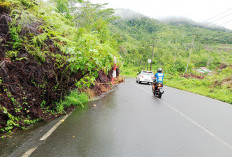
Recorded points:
(186,21)
(172,40)
(145,27)
(127,14)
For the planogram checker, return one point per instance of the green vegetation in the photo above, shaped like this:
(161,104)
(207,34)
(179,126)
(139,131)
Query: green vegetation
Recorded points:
(212,48)
(75,98)
(49,52)
(216,86)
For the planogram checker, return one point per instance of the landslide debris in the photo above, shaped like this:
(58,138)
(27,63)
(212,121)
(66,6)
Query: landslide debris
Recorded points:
(39,68)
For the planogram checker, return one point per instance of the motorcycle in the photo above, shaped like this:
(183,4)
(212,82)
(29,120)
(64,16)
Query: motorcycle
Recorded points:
(157,89)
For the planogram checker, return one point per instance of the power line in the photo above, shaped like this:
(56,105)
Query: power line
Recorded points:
(225,22)
(220,18)
(218,14)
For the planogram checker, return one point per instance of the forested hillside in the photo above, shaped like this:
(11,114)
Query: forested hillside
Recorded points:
(171,43)
(47,49)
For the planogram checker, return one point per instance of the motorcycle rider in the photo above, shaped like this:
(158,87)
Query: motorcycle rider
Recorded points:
(159,78)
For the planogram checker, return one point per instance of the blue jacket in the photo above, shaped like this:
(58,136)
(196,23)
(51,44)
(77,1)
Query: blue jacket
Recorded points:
(159,77)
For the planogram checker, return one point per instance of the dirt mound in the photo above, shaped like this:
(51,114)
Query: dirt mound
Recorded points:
(227,82)
(222,66)
(27,87)
(193,76)
(103,83)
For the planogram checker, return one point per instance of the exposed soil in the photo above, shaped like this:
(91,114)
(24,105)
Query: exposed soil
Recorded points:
(222,66)
(193,76)
(103,83)
(226,83)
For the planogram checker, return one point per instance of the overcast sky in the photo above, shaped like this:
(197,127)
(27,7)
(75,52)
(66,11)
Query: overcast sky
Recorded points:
(197,10)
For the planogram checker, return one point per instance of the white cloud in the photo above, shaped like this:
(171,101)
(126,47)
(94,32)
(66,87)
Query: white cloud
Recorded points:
(197,10)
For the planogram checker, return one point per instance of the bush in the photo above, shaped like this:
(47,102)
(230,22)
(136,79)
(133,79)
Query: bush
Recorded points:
(74,99)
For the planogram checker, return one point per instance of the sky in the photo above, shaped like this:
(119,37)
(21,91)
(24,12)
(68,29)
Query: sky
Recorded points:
(196,10)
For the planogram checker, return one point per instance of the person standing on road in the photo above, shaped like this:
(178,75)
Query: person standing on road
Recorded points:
(159,78)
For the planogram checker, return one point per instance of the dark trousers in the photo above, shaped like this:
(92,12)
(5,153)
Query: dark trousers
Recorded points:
(154,86)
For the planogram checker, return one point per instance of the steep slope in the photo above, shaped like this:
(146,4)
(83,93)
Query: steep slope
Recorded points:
(45,53)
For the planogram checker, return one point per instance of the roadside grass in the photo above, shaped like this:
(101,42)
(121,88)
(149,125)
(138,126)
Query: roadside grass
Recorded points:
(203,87)
(129,72)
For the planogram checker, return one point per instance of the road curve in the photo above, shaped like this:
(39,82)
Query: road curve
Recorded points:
(130,122)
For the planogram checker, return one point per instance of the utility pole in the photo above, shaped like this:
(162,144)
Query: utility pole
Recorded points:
(153,49)
(192,45)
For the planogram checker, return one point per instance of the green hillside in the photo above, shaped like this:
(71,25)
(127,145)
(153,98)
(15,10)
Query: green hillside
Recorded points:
(212,48)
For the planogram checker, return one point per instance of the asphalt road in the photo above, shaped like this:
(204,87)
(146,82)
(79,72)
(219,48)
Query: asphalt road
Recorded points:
(130,122)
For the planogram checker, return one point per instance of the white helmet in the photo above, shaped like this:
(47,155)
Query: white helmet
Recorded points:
(159,70)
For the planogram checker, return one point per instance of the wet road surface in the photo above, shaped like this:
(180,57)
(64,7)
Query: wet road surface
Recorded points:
(130,122)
